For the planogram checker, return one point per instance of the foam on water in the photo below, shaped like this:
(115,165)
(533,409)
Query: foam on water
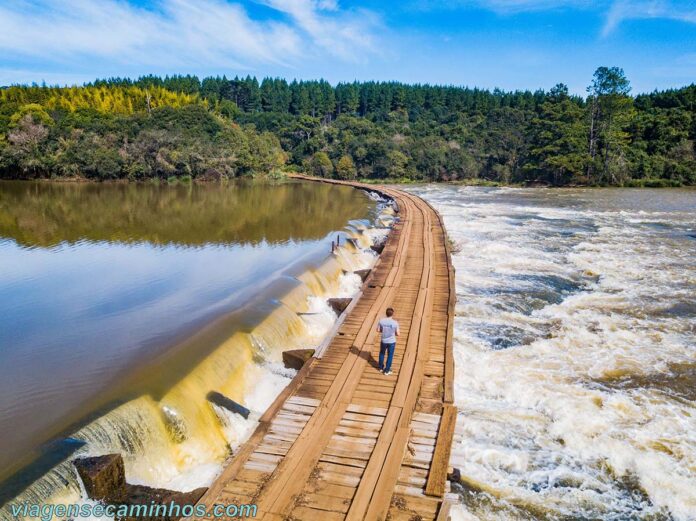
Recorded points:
(574,347)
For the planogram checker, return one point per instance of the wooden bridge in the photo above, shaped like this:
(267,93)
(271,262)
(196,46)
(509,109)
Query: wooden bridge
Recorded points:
(344,441)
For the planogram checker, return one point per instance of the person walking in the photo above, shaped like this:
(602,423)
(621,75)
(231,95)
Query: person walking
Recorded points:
(390,330)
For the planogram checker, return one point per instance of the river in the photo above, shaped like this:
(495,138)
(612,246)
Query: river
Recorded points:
(123,305)
(575,351)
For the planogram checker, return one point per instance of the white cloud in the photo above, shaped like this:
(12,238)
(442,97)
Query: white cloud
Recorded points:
(345,37)
(621,10)
(177,34)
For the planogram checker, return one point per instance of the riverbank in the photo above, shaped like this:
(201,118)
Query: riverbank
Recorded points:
(634,183)
(280,174)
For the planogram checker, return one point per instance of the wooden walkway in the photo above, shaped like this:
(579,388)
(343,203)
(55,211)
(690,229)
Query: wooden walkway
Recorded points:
(344,441)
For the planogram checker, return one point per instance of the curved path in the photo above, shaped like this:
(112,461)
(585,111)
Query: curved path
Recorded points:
(343,441)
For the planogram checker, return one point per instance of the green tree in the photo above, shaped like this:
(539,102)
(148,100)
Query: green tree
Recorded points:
(347,98)
(558,140)
(218,127)
(228,109)
(345,168)
(33,111)
(320,165)
(398,161)
(610,109)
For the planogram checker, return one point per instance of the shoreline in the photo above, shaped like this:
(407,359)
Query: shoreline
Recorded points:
(496,184)
(286,176)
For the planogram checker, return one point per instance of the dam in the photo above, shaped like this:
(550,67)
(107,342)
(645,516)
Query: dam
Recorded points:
(344,441)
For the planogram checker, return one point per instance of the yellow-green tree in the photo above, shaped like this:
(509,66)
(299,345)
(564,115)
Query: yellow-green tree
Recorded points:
(321,165)
(345,168)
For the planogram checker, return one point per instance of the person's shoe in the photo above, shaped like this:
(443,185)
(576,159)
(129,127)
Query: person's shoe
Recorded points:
(381,370)
(387,373)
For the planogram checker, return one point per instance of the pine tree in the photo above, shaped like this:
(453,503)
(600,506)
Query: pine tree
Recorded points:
(610,106)
(557,148)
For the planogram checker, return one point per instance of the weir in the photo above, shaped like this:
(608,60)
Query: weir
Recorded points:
(169,432)
(344,441)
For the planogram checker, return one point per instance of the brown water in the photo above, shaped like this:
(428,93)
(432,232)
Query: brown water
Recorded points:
(575,352)
(122,306)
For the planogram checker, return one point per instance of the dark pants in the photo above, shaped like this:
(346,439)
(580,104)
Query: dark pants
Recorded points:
(386,348)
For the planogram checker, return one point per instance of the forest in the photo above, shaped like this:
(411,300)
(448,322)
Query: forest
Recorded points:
(182,127)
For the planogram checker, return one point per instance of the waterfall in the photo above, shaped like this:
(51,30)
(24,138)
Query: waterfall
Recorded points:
(179,440)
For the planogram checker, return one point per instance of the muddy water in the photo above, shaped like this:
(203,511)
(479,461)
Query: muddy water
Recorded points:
(575,345)
(122,306)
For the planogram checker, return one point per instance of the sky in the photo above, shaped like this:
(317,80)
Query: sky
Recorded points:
(508,44)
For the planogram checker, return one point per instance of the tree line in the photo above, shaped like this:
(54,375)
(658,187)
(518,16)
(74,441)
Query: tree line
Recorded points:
(114,132)
(372,130)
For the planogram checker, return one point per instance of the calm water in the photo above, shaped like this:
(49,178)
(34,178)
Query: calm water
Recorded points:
(133,300)
(575,352)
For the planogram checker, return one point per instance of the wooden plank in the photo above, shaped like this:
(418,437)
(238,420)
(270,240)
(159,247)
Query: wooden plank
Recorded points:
(293,471)
(339,479)
(444,512)
(357,462)
(329,489)
(423,505)
(310,514)
(374,411)
(323,502)
(382,472)
(344,426)
(452,300)
(374,467)
(441,455)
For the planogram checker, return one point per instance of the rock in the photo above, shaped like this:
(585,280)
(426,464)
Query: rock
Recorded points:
(455,476)
(363,274)
(221,400)
(339,305)
(160,497)
(104,477)
(379,245)
(296,358)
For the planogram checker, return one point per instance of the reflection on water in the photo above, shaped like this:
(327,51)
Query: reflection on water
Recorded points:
(122,306)
(575,352)
(47,214)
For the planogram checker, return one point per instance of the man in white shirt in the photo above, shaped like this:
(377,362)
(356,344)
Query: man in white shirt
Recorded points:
(390,330)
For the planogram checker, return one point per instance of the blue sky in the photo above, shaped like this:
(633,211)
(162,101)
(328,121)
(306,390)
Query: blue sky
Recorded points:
(510,44)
